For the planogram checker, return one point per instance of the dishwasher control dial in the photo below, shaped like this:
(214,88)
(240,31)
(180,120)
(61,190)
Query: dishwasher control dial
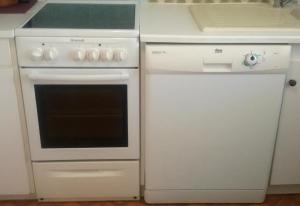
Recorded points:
(251,59)
(79,54)
(37,54)
(50,53)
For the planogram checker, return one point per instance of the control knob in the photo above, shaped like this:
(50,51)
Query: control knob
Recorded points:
(37,54)
(250,60)
(93,54)
(292,82)
(79,54)
(50,53)
(120,54)
(106,54)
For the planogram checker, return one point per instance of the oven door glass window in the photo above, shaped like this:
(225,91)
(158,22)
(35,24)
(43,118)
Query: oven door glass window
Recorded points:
(76,116)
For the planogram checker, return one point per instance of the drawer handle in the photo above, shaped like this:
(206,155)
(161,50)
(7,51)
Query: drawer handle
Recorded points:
(86,173)
(78,77)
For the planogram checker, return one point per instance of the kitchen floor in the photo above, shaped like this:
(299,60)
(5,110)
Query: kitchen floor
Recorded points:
(272,200)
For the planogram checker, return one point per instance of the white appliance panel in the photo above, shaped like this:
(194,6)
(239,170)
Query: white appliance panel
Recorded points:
(286,164)
(211,132)
(129,77)
(5,57)
(211,119)
(14,177)
(216,58)
(106,180)
(66,48)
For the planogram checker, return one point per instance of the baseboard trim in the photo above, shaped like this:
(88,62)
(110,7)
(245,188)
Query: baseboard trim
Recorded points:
(18,197)
(283,189)
(88,199)
(204,196)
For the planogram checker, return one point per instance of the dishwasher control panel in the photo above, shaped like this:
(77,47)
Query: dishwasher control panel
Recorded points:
(217,58)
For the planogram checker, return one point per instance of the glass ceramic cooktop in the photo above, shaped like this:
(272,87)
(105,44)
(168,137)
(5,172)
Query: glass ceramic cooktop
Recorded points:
(84,16)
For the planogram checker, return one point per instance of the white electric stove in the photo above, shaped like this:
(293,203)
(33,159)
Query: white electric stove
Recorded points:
(80,80)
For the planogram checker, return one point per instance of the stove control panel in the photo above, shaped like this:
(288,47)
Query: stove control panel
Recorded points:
(102,55)
(77,52)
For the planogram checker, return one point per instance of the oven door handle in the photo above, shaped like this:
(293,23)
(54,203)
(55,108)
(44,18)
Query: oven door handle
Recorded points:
(78,77)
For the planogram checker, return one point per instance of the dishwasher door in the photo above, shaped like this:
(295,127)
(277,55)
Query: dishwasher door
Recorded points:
(209,136)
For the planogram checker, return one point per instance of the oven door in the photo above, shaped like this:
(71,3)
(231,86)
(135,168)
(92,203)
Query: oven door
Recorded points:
(76,114)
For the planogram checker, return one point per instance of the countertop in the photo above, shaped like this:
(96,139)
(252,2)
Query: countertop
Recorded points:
(174,23)
(168,23)
(8,22)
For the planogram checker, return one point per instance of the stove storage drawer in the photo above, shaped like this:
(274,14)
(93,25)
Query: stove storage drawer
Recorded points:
(106,180)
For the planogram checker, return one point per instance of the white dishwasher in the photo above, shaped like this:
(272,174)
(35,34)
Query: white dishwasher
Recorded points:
(211,116)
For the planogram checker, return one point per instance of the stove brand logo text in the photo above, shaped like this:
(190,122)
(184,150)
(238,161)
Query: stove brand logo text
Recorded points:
(159,52)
